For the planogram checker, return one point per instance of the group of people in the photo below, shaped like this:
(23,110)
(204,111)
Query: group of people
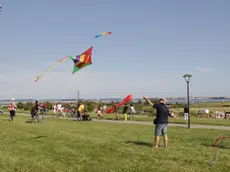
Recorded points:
(12,109)
(101,110)
(161,120)
(77,111)
(132,111)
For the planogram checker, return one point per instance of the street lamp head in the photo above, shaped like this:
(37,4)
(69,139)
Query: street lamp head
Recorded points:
(187,77)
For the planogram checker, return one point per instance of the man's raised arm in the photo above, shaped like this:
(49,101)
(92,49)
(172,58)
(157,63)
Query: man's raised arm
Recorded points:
(149,102)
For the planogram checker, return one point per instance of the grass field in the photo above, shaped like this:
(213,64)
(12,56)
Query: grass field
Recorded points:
(58,145)
(180,120)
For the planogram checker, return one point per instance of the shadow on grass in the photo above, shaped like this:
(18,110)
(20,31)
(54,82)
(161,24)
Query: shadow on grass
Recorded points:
(30,122)
(73,120)
(177,122)
(38,137)
(32,138)
(222,146)
(138,143)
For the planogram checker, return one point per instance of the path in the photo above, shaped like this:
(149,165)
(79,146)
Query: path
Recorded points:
(147,123)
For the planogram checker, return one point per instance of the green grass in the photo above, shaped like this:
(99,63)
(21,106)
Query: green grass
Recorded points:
(58,145)
(180,120)
(146,118)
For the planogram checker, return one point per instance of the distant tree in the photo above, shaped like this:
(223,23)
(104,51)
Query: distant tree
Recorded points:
(177,105)
(66,106)
(49,105)
(28,106)
(139,102)
(20,105)
(90,106)
(100,103)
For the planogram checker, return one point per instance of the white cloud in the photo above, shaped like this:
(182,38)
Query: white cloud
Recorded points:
(92,83)
(19,83)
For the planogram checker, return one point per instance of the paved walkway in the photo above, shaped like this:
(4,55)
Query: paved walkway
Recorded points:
(146,123)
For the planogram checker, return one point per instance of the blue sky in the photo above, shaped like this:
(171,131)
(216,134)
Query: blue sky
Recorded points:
(153,43)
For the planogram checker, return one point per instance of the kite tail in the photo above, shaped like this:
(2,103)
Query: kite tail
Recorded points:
(39,76)
(216,147)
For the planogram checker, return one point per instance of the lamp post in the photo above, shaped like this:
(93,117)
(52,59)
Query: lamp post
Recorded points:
(187,80)
(78,96)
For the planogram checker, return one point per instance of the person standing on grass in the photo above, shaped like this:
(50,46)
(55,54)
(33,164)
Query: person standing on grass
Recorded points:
(71,109)
(43,109)
(132,112)
(34,111)
(59,109)
(115,111)
(12,109)
(186,113)
(54,107)
(125,110)
(104,108)
(161,120)
(81,110)
(99,113)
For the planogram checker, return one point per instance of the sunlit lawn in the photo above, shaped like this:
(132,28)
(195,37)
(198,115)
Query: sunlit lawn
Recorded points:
(68,146)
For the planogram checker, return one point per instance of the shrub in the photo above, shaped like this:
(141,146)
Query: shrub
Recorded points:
(90,106)
(28,106)
(177,105)
(139,102)
(20,105)
(66,106)
(49,105)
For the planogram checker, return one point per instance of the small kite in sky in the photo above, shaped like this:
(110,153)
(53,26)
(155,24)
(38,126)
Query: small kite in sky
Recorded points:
(80,61)
(0,8)
(102,34)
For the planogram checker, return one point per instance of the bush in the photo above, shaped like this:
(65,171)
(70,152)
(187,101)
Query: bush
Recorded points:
(177,105)
(49,105)
(20,105)
(90,106)
(28,106)
(139,102)
(66,106)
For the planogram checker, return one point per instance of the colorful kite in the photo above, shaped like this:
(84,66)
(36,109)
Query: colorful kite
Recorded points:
(216,147)
(80,61)
(102,34)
